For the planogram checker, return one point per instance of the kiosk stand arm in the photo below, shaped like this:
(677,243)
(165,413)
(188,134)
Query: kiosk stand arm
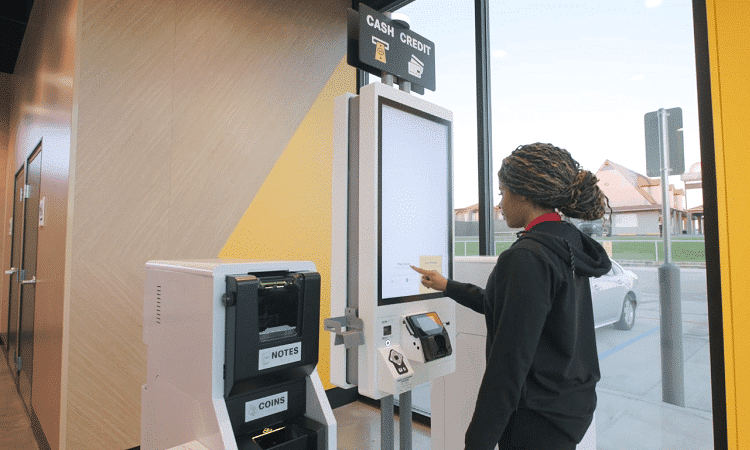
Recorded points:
(353,336)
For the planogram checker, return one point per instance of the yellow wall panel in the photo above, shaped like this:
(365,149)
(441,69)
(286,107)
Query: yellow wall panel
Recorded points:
(728,34)
(290,217)
(183,108)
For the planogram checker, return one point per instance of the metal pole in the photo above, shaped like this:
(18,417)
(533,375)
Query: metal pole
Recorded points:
(670,297)
(404,414)
(665,206)
(484,128)
(386,423)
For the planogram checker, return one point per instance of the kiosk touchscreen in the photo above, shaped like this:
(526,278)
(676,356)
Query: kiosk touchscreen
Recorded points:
(392,209)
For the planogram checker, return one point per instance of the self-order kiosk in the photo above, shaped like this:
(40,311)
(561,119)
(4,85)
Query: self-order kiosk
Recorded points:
(392,209)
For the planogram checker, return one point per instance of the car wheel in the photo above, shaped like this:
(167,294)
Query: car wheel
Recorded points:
(627,315)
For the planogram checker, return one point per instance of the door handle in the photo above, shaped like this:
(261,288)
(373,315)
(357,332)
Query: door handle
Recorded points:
(31,281)
(11,271)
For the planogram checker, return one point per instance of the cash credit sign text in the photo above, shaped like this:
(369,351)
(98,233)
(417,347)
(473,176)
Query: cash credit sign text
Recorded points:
(385,47)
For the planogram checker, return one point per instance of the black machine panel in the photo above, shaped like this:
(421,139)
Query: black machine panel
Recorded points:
(271,346)
(259,409)
(272,325)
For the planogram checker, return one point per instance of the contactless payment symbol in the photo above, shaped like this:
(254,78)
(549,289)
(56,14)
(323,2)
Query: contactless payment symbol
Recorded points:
(380,47)
(397,359)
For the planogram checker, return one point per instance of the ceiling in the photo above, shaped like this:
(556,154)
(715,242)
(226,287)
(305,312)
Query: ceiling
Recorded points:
(14,16)
(382,5)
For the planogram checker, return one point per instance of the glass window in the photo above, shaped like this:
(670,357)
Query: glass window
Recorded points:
(582,75)
(450,25)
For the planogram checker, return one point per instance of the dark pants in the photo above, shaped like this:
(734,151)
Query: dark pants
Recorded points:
(528,430)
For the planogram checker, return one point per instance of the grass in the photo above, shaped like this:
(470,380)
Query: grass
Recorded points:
(642,248)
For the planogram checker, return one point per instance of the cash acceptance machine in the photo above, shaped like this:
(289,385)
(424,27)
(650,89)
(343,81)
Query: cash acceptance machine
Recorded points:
(392,209)
(232,349)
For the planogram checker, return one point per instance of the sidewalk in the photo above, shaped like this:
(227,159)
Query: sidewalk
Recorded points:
(630,413)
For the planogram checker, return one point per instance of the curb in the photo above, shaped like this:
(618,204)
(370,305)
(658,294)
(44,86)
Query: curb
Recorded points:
(647,263)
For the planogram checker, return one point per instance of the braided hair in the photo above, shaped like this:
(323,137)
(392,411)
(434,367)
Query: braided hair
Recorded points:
(550,177)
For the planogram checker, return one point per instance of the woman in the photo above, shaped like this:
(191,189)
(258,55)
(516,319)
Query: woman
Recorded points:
(538,391)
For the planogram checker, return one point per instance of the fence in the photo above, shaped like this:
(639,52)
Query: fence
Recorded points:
(683,250)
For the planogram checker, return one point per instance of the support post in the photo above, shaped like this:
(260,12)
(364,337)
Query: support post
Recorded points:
(386,423)
(404,414)
(672,366)
(670,298)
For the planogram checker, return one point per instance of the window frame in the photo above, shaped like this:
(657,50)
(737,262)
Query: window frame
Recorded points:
(708,163)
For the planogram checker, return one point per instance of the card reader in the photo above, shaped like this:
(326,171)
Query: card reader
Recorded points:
(429,337)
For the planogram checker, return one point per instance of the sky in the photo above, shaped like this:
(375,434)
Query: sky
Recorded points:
(578,74)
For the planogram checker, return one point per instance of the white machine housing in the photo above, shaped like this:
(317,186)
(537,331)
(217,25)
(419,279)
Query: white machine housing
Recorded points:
(355,247)
(184,331)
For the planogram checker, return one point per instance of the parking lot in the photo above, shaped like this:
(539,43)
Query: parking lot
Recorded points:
(631,413)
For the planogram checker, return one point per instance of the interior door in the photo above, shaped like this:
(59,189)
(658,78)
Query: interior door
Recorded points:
(13,272)
(28,274)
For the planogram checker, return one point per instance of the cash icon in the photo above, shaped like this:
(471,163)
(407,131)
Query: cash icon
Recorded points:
(380,47)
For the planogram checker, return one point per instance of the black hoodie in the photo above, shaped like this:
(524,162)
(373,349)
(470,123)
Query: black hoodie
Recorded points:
(541,347)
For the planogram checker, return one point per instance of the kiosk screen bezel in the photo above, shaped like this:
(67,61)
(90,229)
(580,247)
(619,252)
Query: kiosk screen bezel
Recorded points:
(383,101)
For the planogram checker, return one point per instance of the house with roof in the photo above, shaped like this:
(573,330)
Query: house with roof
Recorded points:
(636,201)
(467,221)
(693,179)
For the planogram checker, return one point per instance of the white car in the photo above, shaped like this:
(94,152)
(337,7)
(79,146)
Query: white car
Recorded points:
(615,297)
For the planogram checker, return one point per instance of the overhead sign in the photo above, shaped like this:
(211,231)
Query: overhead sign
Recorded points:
(383,46)
(653,141)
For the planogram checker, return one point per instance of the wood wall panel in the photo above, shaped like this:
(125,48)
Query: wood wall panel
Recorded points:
(301,176)
(246,75)
(183,109)
(121,199)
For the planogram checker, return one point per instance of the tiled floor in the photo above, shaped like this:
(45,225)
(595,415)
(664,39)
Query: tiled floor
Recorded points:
(358,423)
(15,427)
(359,429)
